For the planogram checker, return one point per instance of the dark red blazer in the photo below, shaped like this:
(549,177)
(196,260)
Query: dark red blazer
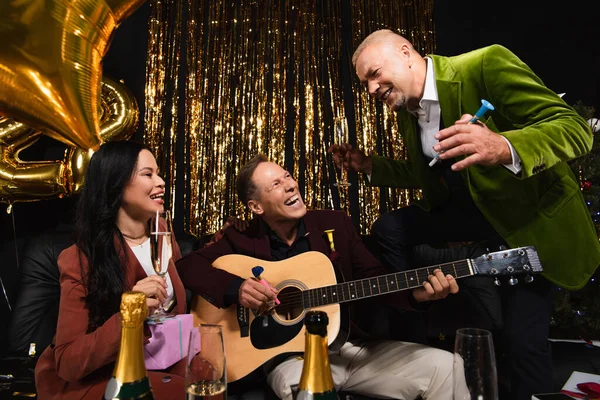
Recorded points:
(354,261)
(77,364)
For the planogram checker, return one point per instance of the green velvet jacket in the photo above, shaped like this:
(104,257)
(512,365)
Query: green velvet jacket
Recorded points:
(542,206)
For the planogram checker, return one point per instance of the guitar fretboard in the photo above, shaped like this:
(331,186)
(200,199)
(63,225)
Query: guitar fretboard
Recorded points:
(369,287)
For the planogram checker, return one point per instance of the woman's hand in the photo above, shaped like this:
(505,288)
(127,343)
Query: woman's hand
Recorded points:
(236,222)
(155,289)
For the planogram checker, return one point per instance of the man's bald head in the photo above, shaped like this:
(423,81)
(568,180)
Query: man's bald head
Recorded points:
(382,35)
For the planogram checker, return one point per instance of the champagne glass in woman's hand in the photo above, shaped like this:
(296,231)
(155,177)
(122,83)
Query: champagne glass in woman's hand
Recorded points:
(161,249)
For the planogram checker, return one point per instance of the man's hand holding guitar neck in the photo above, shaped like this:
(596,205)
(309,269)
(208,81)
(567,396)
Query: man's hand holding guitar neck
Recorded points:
(438,287)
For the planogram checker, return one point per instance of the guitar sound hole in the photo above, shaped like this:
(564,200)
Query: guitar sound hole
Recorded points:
(290,308)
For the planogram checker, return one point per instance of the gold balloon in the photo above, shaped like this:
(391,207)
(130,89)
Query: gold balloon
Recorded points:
(51,64)
(32,181)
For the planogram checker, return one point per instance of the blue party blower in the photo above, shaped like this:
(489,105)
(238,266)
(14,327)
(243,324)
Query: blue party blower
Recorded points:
(485,107)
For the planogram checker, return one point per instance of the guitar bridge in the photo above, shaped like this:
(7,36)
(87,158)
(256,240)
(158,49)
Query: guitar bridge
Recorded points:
(243,317)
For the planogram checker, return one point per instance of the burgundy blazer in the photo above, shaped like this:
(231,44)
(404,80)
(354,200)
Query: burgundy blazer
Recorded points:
(354,261)
(77,364)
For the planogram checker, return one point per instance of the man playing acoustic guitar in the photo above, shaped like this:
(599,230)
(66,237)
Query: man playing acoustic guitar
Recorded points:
(284,230)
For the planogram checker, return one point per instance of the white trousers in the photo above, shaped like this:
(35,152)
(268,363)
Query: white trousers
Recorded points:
(383,369)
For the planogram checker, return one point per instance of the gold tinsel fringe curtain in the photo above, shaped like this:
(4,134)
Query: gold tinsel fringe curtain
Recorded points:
(273,77)
(162,103)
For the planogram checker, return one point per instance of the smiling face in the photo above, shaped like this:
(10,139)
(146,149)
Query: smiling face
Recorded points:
(277,198)
(144,193)
(385,68)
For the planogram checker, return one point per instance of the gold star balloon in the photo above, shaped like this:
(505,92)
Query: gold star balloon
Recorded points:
(39,180)
(51,64)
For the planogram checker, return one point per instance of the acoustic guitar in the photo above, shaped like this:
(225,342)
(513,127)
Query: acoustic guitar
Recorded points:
(308,281)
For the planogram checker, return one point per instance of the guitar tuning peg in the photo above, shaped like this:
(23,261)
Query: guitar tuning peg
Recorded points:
(529,278)
(513,281)
(502,247)
(497,281)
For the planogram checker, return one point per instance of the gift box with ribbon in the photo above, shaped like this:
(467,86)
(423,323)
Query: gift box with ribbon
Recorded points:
(169,342)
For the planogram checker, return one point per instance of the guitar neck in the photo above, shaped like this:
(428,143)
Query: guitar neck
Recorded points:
(376,286)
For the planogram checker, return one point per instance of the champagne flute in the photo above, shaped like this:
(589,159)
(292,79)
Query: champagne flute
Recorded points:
(161,249)
(474,373)
(339,137)
(206,372)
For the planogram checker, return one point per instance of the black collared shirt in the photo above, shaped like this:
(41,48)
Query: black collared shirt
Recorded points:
(281,251)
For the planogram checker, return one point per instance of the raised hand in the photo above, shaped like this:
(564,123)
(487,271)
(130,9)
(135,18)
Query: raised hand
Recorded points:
(438,287)
(476,141)
(238,223)
(346,157)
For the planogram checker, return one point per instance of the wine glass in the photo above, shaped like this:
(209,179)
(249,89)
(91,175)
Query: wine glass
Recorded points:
(474,371)
(206,372)
(161,249)
(340,135)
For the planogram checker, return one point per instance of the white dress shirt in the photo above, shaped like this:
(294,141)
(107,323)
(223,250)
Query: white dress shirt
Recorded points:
(142,252)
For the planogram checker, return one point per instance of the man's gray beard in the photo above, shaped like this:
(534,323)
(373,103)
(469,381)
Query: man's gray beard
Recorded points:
(398,104)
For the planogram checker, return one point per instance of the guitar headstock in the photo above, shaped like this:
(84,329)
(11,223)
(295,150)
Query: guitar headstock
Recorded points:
(509,262)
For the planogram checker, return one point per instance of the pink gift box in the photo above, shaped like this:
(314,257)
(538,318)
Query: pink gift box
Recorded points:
(169,342)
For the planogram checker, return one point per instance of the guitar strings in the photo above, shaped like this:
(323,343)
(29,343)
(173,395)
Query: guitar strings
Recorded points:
(402,281)
(461,271)
(458,269)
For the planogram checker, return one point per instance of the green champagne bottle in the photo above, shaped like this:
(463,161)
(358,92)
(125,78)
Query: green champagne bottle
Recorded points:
(316,381)
(130,378)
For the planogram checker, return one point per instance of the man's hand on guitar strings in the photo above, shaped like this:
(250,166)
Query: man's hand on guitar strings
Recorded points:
(255,295)
(437,287)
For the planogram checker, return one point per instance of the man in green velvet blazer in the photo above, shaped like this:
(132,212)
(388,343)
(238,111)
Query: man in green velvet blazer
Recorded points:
(512,167)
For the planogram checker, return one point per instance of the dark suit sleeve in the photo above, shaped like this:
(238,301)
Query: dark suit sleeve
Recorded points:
(365,265)
(199,276)
(388,172)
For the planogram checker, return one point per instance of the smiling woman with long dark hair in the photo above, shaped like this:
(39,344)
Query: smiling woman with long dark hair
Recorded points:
(111,255)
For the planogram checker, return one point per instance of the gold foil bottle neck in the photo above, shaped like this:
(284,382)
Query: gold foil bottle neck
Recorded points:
(316,380)
(133,309)
(130,378)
